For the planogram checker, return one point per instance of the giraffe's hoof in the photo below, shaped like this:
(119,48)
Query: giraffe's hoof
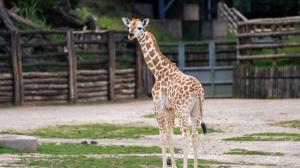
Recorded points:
(169,163)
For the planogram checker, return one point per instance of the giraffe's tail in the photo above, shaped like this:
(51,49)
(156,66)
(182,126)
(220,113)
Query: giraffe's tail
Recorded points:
(201,102)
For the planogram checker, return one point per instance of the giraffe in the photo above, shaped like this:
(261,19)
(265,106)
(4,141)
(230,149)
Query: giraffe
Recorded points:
(175,94)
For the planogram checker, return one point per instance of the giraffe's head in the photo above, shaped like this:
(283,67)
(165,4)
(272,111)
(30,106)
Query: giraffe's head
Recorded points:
(136,27)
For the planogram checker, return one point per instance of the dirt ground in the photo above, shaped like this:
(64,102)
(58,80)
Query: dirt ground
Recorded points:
(234,117)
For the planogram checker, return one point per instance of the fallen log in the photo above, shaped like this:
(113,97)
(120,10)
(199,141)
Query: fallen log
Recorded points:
(45,74)
(46,86)
(92,72)
(96,94)
(92,89)
(60,97)
(8,23)
(92,84)
(22,20)
(92,99)
(81,78)
(45,92)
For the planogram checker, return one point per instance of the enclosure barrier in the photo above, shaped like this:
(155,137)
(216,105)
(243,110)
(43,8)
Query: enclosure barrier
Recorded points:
(38,67)
(265,39)
(209,61)
(271,82)
(232,16)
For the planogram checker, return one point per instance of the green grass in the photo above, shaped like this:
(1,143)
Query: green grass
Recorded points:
(111,162)
(8,150)
(276,136)
(92,131)
(78,149)
(292,123)
(96,131)
(250,152)
(149,116)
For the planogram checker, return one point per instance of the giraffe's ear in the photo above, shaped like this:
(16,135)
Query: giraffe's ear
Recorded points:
(145,22)
(126,21)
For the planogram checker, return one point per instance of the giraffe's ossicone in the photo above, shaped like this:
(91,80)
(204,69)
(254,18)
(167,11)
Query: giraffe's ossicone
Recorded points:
(175,94)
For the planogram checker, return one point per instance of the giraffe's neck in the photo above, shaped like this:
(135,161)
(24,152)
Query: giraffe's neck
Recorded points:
(156,61)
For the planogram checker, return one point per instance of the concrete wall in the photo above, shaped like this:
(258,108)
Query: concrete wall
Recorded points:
(145,9)
(220,29)
(191,12)
(173,26)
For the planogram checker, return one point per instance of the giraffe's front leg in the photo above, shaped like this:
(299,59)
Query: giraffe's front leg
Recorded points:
(162,133)
(170,121)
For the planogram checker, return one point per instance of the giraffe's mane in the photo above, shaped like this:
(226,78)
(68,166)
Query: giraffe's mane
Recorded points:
(157,48)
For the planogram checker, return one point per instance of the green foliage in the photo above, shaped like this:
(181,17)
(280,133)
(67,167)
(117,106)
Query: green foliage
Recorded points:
(41,5)
(273,136)
(251,152)
(74,149)
(110,8)
(231,37)
(125,61)
(114,22)
(31,10)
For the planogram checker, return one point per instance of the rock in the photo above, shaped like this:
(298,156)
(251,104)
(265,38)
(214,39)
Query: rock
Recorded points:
(93,142)
(84,142)
(20,142)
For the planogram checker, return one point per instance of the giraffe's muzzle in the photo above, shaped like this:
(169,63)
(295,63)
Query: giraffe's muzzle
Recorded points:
(130,36)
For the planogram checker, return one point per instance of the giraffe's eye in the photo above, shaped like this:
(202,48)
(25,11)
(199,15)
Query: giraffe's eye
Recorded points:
(139,28)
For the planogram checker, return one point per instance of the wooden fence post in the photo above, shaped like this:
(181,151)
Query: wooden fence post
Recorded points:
(212,62)
(20,68)
(138,72)
(16,69)
(72,62)
(111,65)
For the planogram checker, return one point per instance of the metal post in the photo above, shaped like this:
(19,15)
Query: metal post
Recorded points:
(212,62)
(161,7)
(181,55)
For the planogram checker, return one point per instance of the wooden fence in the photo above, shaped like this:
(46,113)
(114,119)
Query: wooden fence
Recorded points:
(232,16)
(269,39)
(271,82)
(38,67)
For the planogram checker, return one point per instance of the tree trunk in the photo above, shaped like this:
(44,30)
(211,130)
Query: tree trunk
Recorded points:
(22,20)
(5,18)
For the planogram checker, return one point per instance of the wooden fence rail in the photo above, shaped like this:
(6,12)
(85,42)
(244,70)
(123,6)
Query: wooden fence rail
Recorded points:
(232,16)
(38,67)
(268,39)
(271,82)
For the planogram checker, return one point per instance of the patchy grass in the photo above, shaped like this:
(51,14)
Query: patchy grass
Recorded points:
(92,131)
(149,116)
(291,123)
(78,149)
(272,136)
(111,162)
(249,152)
(8,150)
(96,131)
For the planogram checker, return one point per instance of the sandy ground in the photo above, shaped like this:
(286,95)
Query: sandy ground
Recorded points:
(234,117)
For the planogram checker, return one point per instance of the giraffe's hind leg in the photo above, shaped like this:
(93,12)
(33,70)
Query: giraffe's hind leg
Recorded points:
(183,123)
(195,118)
